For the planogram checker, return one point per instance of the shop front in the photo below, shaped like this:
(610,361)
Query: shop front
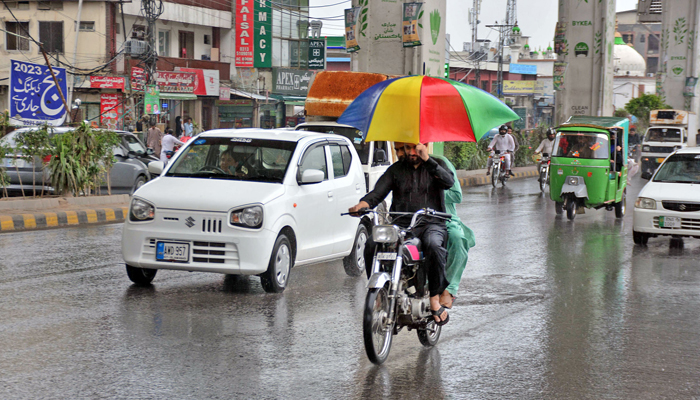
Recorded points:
(290,87)
(236,113)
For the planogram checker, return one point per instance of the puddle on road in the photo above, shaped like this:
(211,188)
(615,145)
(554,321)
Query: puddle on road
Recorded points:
(502,289)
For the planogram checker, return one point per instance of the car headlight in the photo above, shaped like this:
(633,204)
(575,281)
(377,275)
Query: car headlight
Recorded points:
(573,180)
(385,234)
(645,202)
(248,217)
(141,210)
(646,148)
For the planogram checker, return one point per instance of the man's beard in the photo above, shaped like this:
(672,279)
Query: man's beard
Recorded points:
(413,160)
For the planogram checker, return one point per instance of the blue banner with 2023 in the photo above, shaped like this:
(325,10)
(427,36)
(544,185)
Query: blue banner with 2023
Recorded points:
(34,97)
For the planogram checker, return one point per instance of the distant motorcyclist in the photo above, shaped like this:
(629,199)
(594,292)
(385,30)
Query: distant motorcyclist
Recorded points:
(503,143)
(547,145)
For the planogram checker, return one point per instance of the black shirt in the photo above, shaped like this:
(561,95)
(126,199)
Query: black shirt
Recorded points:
(412,188)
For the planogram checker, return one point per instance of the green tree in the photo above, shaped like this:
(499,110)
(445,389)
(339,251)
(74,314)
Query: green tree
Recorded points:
(641,106)
(4,178)
(35,145)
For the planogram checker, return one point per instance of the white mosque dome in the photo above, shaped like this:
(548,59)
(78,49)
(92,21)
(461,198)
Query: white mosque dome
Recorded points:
(626,60)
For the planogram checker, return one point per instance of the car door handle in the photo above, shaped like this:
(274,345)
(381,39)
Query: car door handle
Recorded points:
(330,195)
(357,186)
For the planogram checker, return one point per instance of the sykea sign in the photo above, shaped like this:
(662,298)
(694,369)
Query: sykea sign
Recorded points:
(253,33)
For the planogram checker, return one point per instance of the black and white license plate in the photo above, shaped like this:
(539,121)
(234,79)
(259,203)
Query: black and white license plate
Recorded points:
(172,251)
(386,256)
(669,222)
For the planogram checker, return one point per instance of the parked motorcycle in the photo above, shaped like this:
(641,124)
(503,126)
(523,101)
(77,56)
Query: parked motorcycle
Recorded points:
(398,294)
(498,170)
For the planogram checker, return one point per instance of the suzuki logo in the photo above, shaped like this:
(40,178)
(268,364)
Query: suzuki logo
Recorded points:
(681,207)
(189,222)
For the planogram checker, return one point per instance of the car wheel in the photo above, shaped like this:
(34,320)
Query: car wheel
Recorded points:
(621,206)
(141,276)
(355,263)
(640,238)
(275,279)
(140,181)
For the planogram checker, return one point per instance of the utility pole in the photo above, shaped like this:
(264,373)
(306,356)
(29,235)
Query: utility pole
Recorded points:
(502,32)
(474,21)
(151,9)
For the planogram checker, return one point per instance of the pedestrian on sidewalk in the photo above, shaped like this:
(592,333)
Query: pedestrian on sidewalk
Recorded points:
(153,140)
(189,127)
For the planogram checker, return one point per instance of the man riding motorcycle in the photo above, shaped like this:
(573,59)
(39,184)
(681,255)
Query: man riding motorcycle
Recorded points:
(547,144)
(503,143)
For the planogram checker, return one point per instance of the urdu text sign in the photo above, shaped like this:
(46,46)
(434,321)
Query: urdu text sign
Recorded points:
(34,97)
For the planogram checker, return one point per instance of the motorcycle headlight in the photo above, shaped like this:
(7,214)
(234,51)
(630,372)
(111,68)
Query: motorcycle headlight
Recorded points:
(141,210)
(645,202)
(646,148)
(385,234)
(248,217)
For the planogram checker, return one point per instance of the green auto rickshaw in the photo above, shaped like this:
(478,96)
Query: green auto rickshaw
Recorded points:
(589,165)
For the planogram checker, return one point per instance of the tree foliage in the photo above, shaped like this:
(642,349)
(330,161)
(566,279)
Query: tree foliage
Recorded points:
(641,106)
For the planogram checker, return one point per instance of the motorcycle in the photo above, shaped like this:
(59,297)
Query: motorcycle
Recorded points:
(398,294)
(544,171)
(498,170)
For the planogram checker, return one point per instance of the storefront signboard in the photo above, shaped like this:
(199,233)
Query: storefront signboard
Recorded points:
(292,82)
(110,110)
(245,33)
(224,93)
(176,82)
(138,78)
(34,98)
(206,81)
(317,53)
(107,82)
(519,87)
(263,34)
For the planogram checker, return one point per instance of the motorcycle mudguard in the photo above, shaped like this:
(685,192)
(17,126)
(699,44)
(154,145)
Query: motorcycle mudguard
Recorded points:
(580,191)
(378,280)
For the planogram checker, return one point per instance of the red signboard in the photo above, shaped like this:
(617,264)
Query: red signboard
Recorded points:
(110,110)
(244,33)
(107,82)
(207,81)
(138,78)
(176,82)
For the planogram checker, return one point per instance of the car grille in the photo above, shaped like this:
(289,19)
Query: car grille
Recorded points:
(686,223)
(681,206)
(202,252)
(660,149)
(211,225)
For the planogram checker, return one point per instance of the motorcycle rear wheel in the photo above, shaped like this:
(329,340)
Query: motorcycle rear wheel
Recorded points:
(430,335)
(377,333)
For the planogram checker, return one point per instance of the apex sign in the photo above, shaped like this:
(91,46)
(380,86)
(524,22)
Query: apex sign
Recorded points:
(253,33)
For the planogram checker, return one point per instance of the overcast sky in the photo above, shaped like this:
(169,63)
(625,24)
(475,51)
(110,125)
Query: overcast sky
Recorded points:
(536,18)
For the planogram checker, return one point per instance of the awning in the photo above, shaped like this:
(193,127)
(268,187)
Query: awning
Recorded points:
(178,96)
(248,95)
(289,99)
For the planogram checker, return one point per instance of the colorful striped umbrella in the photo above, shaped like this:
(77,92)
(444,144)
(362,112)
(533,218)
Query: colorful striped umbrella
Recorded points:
(425,109)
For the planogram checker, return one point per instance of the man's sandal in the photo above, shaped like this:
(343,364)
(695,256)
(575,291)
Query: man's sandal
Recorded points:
(438,313)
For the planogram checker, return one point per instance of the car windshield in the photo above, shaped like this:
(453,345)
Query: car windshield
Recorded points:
(134,145)
(588,145)
(680,168)
(663,135)
(236,158)
(355,136)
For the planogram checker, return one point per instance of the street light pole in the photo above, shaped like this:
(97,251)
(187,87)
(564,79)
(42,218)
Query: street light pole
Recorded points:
(502,30)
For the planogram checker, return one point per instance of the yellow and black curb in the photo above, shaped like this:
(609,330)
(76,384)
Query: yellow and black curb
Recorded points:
(486,180)
(60,219)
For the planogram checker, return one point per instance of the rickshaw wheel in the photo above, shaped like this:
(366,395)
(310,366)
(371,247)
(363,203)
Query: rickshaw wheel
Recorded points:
(621,206)
(570,209)
(559,207)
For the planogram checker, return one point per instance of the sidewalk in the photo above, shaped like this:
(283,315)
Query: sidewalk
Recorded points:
(18,214)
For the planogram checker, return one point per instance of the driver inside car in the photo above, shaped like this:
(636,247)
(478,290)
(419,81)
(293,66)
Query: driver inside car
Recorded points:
(231,166)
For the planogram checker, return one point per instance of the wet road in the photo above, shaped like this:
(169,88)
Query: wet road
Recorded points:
(547,309)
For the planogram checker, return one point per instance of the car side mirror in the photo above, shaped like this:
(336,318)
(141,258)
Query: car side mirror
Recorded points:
(155,167)
(379,157)
(131,154)
(311,176)
(150,152)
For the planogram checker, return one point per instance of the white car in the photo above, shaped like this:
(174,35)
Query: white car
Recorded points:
(670,203)
(248,202)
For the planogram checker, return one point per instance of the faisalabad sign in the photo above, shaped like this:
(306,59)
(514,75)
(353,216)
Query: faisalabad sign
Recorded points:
(253,33)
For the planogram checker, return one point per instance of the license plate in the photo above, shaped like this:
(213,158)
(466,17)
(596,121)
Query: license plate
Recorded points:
(386,256)
(172,251)
(669,222)
(660,160)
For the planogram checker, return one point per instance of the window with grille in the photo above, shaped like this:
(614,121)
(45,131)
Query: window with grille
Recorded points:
(15,42)
(87,26)
(51,35)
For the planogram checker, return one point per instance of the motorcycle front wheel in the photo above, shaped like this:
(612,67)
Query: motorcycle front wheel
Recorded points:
(494,175)
(376,329)
(543,179)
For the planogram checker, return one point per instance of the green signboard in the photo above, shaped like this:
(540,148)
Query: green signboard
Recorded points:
(152,100)
(520,123)
(317,54)
(263,34)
